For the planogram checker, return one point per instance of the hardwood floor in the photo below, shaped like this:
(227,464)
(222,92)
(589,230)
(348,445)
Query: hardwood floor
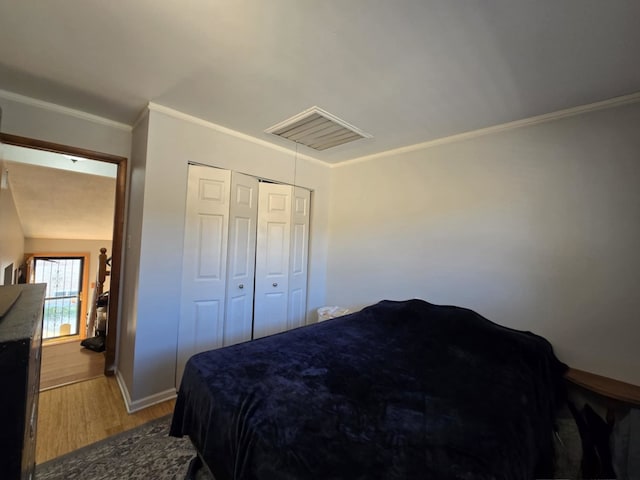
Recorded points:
(64,363)
(79,414)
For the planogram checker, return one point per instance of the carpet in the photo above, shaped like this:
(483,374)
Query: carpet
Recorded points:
(145,452)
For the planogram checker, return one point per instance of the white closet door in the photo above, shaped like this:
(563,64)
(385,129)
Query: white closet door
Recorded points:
(299,257)
(241,258)
(204,263)
(272,259)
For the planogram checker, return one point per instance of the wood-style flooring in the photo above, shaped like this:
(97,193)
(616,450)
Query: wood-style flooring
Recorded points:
(64,363)
(76,415)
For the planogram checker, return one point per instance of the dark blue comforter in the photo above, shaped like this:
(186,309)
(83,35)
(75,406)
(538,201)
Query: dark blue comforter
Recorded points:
(400,390)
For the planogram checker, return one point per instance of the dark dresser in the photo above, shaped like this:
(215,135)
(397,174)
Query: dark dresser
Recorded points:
(20,348)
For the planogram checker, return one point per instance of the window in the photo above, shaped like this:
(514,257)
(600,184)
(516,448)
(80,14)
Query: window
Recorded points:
(63,276)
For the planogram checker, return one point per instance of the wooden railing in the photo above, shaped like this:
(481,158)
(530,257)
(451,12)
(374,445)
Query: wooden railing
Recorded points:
(103,272)
(104,264)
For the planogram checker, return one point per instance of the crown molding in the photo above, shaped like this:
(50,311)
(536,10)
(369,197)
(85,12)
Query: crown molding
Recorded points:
(143,114)
(219,128)
(504,127)
(63,110)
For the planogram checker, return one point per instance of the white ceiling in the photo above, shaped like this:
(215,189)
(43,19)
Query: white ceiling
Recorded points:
(404,71)
(56,197)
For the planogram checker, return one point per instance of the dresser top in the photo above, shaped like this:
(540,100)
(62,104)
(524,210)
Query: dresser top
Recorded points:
(19,321)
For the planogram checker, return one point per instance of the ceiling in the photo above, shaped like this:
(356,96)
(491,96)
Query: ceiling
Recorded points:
(404,71)
(60,197)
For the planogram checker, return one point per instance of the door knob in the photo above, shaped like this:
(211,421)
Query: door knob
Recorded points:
(241,286)
(274,284)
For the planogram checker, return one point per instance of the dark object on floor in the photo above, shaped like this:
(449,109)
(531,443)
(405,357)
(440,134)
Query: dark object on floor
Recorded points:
(596,450)
(96,344)
(398,390)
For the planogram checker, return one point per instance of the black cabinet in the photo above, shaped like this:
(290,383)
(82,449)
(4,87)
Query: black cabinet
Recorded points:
(20,349)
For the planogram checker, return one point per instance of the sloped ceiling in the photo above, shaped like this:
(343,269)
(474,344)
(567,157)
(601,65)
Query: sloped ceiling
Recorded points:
(405,71)
(62,204)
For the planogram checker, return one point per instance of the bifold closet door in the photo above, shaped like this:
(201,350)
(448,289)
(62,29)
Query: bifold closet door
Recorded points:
(272,259)
(245,260)
(204,267)
(243,216)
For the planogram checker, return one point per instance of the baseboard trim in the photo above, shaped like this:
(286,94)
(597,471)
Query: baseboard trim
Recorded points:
(136,405)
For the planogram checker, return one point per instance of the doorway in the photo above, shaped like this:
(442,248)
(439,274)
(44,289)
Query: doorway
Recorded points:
(118,226)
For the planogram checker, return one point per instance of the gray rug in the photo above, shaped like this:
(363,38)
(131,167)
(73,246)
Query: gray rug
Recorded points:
(146,452)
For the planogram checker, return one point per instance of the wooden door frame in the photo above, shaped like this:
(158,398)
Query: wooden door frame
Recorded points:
(118,227)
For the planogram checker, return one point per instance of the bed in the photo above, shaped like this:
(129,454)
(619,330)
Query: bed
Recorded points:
(399,390)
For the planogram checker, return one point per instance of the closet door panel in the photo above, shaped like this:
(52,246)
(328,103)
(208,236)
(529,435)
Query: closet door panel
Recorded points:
(210,235)
(272,259)
(204,263)
(273,308)
(208,325)
(297,308)
(277,254)
(301,202)
(241,258)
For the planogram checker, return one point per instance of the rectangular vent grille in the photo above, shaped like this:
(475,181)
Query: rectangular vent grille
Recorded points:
(317,129)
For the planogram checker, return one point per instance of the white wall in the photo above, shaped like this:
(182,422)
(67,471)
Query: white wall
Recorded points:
(11,234)
(173,141)
(537,228)
(131,265)
(44,121)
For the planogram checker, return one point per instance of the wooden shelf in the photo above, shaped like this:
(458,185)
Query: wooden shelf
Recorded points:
(608,387)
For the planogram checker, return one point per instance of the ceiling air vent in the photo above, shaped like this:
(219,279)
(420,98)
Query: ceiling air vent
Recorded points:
(317,129)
